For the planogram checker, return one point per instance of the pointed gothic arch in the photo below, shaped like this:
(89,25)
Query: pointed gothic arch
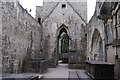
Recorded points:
(63,28)
(97,46)
(62,40)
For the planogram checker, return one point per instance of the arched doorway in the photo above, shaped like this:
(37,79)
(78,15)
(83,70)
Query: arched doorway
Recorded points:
(63,44)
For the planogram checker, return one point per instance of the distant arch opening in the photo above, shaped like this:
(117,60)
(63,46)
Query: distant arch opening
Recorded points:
(63,44)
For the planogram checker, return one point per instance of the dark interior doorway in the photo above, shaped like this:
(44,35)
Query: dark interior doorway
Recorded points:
(63,45)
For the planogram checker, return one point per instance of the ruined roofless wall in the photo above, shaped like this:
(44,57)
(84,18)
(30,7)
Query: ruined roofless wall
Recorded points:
(20,37)
(53,18)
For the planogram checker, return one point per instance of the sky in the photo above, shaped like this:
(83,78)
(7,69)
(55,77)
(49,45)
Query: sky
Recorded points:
(31,4)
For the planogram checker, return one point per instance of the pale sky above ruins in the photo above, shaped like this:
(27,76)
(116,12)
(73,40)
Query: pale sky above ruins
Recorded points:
(31,4)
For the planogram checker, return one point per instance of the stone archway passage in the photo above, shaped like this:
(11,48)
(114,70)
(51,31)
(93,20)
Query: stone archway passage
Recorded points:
(63,44)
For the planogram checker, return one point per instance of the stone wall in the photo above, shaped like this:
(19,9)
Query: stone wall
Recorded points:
(116,38)
(21,37)
(58,17)
(0,40)
(95,33)
(106,21)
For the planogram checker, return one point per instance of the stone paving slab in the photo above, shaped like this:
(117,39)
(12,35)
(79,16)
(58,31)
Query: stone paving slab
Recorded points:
(24,76)
(73,75)
(82,75)
(59,73)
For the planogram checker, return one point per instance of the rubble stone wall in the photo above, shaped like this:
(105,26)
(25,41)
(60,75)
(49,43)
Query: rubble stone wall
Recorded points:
(21,37)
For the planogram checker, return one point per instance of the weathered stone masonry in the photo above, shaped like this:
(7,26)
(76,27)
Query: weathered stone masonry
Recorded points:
(21,37)
(24,38)
(67,15)
(103,40)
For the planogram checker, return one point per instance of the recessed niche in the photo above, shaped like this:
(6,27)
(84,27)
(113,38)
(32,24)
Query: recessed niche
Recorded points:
(63,5)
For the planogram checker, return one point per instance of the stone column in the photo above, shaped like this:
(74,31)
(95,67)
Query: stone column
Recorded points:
(70,44)
(59,45)
(104,52)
